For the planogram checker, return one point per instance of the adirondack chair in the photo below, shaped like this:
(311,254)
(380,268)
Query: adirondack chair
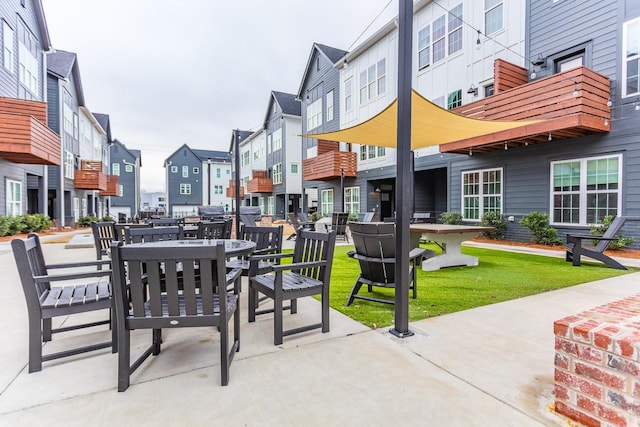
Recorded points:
(576,248)
(78,290)
(153,291)
(339,224)
(375,251)
(307,275)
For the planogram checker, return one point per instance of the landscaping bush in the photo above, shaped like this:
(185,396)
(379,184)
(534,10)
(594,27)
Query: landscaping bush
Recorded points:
(452,218)
(85,221)
(107,218)
(601,228)
(542,233)
(12,225)
(495,220)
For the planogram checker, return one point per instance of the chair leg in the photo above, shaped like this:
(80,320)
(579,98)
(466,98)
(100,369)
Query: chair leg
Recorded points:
(124,369)
(224,351)
(46,330)
(293,306)
(277,321)
(157,341)
(252,303)
(236,326)
(35,343)
(325,313)
(354,292)
(114,330)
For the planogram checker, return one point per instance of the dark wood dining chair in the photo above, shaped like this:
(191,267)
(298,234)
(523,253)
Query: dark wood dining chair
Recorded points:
(212,230)
(160,287)
(104,233)
(152,234)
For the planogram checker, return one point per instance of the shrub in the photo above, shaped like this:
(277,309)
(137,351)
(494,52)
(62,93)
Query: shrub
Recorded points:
(107,218)
(452,218)
(85,221)
(352,216)
(36,222)
(600,228)
(314,216)
(495,220)
(538,224)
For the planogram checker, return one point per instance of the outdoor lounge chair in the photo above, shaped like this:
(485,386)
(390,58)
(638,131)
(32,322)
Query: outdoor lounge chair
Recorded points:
(339,224)
(153,291)
(576,248)
(375,250)
(79,292)
(307,275)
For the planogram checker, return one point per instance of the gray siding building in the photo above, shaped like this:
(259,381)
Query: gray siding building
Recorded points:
(125,165)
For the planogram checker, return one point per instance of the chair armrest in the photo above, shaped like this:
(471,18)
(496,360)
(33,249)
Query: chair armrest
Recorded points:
(590,237)
(297,266)
(61,277)
(360,257)
(80,264)
(265,251)
(232,278)
(270,256)
(416,252)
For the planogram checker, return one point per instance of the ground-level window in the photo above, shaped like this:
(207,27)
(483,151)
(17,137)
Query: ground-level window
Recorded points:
(185,188)
(584,191)
(352,199)
(271,205)
(481,193)
(326,197)
(14,198)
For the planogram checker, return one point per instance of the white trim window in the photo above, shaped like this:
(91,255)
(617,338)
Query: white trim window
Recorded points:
(348,94)
(277,138)
(352,199)
(115,169)
(195,170)
(373,81)
(245,158)
(454,100)
(185,188)
(261,204)
(7,46)
(294,168)
(631,57)
(493,16)
(185,171)
(329,97)
(217,189)
(69,165)
(14,198)
(314,114)
(454,27)
(326,204)
(481,193)
(439,31)
(174,169)
(584,191)
(424,47)
(277,173)
(29,72)
(271,205)
(120,190)
(369,152)
(128,168)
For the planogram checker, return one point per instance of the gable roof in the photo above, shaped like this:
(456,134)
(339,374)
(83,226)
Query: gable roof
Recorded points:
(136,154)
(215,156)
(242,135)
(45,41)
(289,104)
(331,53)
(103,120)
(64,65)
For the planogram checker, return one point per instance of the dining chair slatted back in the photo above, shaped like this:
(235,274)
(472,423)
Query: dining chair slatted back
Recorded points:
(268,240)
(103,234)
(164,222)
(212,230)
(152,234)
(159,287)
(80,288)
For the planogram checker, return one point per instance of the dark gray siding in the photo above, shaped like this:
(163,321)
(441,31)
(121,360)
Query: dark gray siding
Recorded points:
(127,180)
(185,157)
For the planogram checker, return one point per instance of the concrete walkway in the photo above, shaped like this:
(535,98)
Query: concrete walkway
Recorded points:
(490,366)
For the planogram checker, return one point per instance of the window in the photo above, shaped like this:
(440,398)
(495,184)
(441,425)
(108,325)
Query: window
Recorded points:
(174,169)
(492,16)
(488,90)
(69,165)
(368,152)
(373,81)
(28,61)
(631,59)
(269,143)
(195,170)
(352,199)
(294,168)
(261,204)
(326,205)
(115,169)
(569,62)
(185,171)
(277,173)
(481,193)
(314,115)
(185,188)
(277,139)
(217,189)
(455,29)
(14,198)
(438,33)
(454,99)
(120,190)
(67,119)
(348,94)
(330,106)
(128,168)
(584,191)
(218,173)
(424,47)
(271,205)
(7,42)
(245,158)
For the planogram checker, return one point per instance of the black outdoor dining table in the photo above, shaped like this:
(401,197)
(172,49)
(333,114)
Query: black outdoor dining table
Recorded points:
(232,247)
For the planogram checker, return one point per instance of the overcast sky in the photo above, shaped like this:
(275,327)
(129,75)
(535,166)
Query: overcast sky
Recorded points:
(170,72)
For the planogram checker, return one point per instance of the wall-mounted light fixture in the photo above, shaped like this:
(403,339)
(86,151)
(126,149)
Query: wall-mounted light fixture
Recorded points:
(539,61)
(377,190)
(473,89)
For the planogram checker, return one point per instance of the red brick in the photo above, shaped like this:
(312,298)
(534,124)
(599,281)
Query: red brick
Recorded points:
(561,361)
(561,392)
(566,346)
(601,375)
(579,384)
(603,337)
(626,345)
(590,354)
(613,416)
(576,415)
(587,404)
(623,402)
(636,389)
(583,331)
(623,365)
(561,327)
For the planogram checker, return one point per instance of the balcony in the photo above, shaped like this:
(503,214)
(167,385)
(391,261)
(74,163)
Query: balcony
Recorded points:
(231,189)
(572,104)
(260,183)
(112,186)
(329,165)
(24,135)
(90,176)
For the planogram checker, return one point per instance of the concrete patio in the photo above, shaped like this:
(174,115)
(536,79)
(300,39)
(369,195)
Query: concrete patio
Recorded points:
(492,365)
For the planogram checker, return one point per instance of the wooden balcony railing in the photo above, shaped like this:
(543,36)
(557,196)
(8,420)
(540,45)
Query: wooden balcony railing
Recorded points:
(572,103)
(330,165)
(24,135)
(260,183)
(112,186)
(231,189)
(90,176)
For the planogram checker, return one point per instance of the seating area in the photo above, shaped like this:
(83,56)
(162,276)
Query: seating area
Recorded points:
(579,245)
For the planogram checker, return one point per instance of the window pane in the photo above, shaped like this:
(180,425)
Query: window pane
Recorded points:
(493,19)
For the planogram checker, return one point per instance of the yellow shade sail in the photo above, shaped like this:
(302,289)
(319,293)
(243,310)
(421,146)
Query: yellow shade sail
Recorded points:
(430,125)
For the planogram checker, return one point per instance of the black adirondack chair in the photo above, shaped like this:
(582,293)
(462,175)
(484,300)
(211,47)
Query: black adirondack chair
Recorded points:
(308,274)
(577,247)
(339,224)
(375,250)
(53,295)
(156,288)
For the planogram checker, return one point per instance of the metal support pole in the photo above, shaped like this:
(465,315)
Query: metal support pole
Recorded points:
(236,149)
(404,178)
(342,188)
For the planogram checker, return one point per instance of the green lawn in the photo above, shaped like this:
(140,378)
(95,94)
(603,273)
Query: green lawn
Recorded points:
(500,276)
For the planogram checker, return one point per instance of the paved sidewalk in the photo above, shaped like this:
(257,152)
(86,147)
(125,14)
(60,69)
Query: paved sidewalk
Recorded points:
(490,366)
